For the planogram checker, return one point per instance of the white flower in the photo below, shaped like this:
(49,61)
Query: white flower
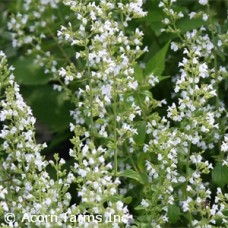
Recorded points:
(205,17)
(224,146)
(62,72)
(3,192)
(119,205)
(153,80)
(174,47)
(85,150)
(203,2)
(106,90)
(57,87)
(219,43)
(192,15)
(185,204)
(82,172)
(144,203)
(182,179)
(180,14)
(77,55)
(132,116)
(161,4)
(214,209)
(2,54)
(133,85)
(166,21)
(203,70)
(62,161)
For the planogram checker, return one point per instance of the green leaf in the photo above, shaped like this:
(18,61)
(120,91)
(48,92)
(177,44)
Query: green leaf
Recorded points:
(116,198)
(140,207)
(113,198)
(59,139)
(173,213)
(127,200)
(141,161)
(186,25)
(48,106)
(138,73)
(156,64)
(146,93)
(220,175)
(154,18)
(129,173)
(29,73)
(141,129)
(161,78)
(155,14)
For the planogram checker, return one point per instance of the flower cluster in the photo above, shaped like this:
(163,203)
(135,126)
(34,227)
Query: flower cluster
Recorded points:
(31,15)
(108,72)
(33,27)
(170,156)
(108,55)
(26,185)
(196,87)
(96,186)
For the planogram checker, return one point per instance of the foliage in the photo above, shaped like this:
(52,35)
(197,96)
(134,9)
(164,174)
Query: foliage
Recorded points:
(132,101)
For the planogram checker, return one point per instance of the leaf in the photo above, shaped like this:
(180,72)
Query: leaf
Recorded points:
(161,78)
(186,25)
(48,106)
(127,200)
(28,73)
(141,161)
(138,73)
(156,64)
(116,198)
(140,207)
(154,18)
(141,129)
(220,175)
(146,93)
(59,139)
(155,14)
(129,173)
(173,213)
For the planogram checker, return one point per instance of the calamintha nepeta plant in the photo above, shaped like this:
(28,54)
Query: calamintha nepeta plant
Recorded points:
(23,169)
(124,151)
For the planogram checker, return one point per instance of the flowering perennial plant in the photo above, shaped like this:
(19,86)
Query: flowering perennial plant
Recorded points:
(151,162)
(23,169)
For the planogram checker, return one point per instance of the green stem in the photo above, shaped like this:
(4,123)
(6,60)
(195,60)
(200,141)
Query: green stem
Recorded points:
(140,105)
(90,94)
(58,45)
(216,78)
(115,126)
(192,98)
(133,163)
(187,179)
(122,19)
(214,35)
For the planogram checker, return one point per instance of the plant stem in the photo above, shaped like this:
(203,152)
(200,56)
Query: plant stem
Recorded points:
(115,126)
(187,179)
(58,45)
(90,94)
